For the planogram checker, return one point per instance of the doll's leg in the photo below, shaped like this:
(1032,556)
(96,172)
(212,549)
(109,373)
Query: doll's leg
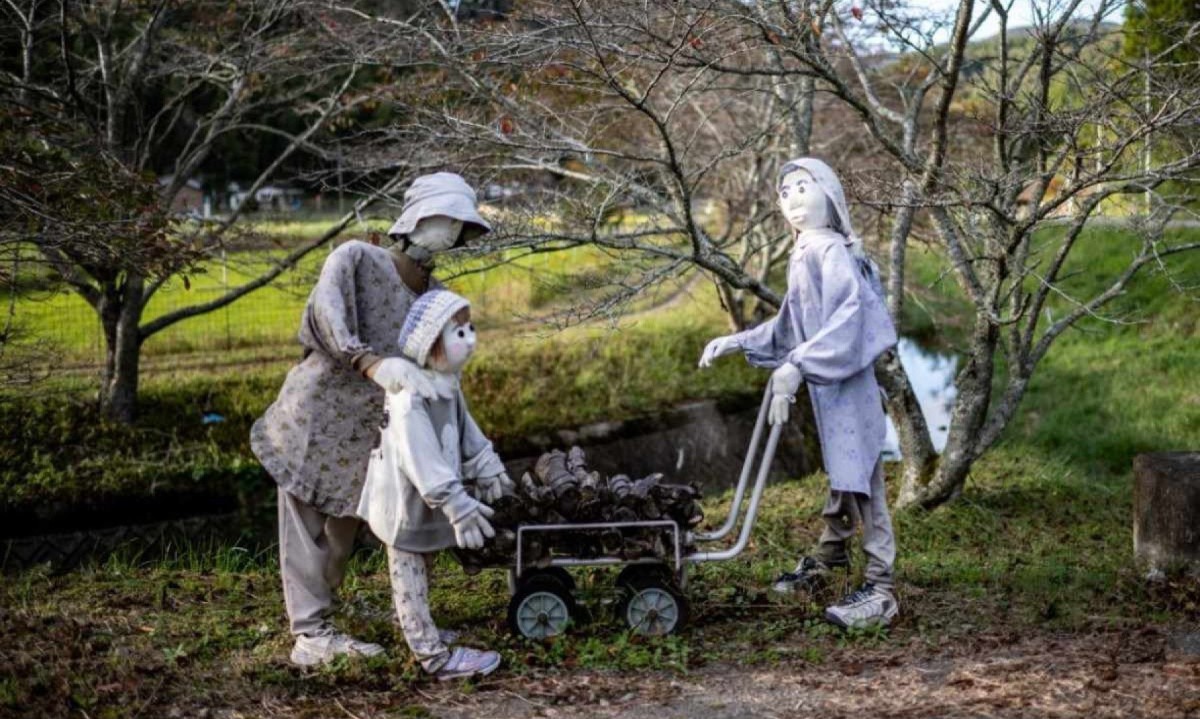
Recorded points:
(313,550)
(874,602)
(879,542)
(839,516)
(410,592)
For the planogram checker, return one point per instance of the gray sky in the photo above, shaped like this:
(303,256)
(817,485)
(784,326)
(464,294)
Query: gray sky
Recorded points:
(1020,14)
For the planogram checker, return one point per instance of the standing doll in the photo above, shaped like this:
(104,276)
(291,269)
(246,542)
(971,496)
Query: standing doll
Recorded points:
(831,327)
(315,439)
(415,498)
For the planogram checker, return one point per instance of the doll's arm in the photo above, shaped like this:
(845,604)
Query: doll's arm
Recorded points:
(835,352)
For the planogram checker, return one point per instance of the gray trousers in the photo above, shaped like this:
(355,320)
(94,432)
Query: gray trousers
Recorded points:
(409,573)
(313,551)
(842,512)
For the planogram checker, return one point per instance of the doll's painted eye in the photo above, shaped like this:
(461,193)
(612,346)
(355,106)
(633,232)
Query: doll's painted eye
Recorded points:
(783,193)
(471,326)
(461,334)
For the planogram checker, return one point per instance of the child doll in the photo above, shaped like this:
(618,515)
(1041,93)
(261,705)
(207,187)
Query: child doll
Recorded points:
(831,327)
(415,498)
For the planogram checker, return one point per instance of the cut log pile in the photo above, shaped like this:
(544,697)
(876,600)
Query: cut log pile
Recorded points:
(562,490)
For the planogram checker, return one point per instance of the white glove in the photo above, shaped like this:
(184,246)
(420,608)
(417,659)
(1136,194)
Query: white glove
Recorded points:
(719,347)
(784,382)
(471,529)
(494,487)
(397,373)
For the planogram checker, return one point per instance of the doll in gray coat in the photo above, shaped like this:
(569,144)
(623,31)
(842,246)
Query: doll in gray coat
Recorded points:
(830,328)
(416,497)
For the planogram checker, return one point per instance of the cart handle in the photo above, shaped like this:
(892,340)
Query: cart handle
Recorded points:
(735,507)
(751,511)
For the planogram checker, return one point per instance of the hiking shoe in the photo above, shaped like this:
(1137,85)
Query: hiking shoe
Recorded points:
(466,662)
(311,651)
(866,606)
(810,574)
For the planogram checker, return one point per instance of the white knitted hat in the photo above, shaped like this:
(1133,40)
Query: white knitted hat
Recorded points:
(426,318)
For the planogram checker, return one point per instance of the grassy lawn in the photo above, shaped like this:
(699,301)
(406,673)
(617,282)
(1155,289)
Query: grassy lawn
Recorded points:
(1039,543)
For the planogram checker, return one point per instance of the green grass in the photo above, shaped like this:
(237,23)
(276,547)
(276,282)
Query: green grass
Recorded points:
(205,625)
(1038,542)
(506,288)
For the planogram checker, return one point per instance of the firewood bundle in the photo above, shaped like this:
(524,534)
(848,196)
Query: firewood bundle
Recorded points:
(562,490)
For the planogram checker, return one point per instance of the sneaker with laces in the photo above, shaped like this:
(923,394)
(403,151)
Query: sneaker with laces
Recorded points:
(810,574)
(311,651)
(467,662)
(868,605)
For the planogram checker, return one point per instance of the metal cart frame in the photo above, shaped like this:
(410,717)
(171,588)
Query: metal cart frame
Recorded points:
(680,539)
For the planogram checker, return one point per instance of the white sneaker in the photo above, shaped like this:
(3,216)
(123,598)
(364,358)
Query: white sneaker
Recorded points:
(467,662)
(867,606)
(311,651)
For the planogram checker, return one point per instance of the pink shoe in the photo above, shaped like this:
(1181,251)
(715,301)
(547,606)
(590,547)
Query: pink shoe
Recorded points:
(466,662)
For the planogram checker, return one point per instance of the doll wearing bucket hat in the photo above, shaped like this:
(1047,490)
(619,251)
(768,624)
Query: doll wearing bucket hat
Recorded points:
(316,438)
(415,498)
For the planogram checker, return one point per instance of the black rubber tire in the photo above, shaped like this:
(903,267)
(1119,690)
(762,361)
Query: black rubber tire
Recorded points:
(562,575)
(633,573)
(541,608)
(652,604)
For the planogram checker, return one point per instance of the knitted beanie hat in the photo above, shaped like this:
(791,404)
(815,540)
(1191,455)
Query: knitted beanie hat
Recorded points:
(426,318)
(442,193)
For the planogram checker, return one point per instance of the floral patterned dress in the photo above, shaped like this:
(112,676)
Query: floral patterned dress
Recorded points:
(315,440)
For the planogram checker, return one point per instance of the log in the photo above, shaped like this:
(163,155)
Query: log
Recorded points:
(561,490)
(1166,511)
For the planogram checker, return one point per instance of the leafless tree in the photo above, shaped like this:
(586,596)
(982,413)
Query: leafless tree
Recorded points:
(162,88)
(998,150)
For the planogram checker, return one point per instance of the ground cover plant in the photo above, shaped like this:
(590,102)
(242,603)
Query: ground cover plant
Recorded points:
(1019,598)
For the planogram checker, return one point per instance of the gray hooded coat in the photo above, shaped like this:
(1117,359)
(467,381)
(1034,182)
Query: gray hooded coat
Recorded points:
(832,325)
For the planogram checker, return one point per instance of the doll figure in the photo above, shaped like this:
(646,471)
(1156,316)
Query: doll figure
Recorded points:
(416,498)
(830,328)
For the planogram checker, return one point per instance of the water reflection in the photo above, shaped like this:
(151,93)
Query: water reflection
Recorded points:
(932,378)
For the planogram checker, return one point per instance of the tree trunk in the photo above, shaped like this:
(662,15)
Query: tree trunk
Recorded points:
(120,313)
(1166,510)
(974,384)
(917,456)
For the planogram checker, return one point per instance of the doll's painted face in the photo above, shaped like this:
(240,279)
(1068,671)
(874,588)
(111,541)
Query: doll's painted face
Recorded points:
(455,346)
(802,201)
(433,234)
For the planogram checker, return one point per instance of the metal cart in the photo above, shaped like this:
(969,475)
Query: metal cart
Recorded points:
(651,588)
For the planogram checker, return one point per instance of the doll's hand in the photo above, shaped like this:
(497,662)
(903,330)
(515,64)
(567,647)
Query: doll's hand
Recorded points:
(784,382)
(719,347)
(495,487)
(397,373)
(473,528)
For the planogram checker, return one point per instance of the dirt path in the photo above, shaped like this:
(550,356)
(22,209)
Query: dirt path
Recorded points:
(1143,673)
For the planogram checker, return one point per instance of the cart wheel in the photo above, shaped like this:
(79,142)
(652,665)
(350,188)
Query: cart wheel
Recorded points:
(541,608)
(651,604)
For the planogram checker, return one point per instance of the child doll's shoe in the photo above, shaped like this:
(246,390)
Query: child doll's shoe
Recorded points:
(867,606)
(809,575)
(311,651)
(466,662)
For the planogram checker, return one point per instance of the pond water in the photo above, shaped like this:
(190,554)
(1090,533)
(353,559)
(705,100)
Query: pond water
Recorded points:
(932,378)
